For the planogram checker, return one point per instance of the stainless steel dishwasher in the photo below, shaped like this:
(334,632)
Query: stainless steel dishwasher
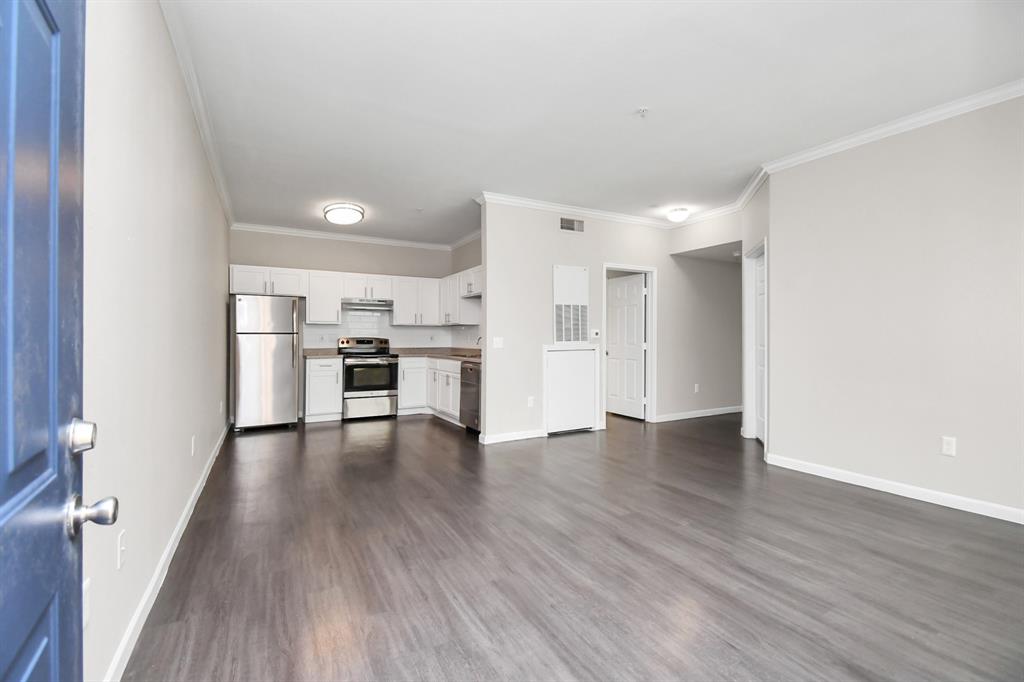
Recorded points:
(469,395)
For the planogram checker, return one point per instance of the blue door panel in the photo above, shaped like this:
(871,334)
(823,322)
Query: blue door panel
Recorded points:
(41,79)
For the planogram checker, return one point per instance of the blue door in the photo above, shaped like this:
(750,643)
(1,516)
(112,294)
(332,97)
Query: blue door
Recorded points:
(41,76)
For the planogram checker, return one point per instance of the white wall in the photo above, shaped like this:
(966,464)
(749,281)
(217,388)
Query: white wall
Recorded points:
(155,317)
(698,312)
(896,278)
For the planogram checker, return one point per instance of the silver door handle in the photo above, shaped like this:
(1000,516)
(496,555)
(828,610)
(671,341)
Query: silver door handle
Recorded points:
(264,287)
(371,293)
(337,316)
(81,436)
(295,349)
(103,512)
(336,379)
(271,286)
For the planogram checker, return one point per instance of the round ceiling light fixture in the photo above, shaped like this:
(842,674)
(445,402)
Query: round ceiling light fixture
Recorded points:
(343,214)
(678,215)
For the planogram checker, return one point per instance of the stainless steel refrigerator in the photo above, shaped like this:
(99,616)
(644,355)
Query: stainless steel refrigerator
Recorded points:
(265,360)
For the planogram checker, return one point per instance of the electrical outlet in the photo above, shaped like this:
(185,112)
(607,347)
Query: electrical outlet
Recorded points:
(949,446)
(193,445)
(86,611)
(529,401)
(220,410)
(498,342)
(696,388)
(121,548)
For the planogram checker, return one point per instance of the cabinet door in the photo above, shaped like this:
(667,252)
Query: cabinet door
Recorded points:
(449,300)
(379,286)
(355,286)
(412,386)
(323,304)
(467,283)
(433,389)
(430,302)
(406,292)
(323,391)
(248,279)
(456,400)
(477,281)
(288,282)
(444,398)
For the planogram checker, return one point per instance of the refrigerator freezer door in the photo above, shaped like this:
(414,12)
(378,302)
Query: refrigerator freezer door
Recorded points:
(266,379)
(266,315)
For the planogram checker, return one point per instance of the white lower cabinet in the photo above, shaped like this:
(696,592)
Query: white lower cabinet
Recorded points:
(443,388)
(432,388)
(324,393)
(412,383)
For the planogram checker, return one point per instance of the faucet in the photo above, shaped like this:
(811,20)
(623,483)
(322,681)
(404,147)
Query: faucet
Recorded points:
(478,340)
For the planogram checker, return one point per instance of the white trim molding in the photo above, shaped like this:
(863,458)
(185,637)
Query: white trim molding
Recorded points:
(511,436)
(472,236)
(964,105)
(754,184)
(573,211)
(179,41)
(694,414)
(967,504)
(317,234)
(131,635)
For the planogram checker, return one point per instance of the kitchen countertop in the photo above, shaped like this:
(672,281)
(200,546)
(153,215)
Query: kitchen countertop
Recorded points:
(439,353)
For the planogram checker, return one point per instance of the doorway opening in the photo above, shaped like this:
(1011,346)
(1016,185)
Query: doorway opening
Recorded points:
(629,352)
(755,343)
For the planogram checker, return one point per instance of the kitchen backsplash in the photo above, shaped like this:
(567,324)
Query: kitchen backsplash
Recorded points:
(378,323)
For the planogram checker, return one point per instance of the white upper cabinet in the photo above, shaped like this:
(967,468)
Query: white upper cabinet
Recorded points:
(368,286)
(248,279)
(323,303)
(455,307)
(416,301)
(471,282)
(254,279)
(288,282)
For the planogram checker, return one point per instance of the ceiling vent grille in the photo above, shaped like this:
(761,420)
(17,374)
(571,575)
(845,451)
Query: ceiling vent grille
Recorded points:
(571,225)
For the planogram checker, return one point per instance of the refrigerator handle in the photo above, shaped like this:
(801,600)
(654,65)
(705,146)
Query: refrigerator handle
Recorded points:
(295,315)
(295,349)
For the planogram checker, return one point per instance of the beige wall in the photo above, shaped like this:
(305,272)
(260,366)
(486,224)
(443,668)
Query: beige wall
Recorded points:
(155,322)
(698,312)
(895,276)
(748,225)
(467,256)
(291,251)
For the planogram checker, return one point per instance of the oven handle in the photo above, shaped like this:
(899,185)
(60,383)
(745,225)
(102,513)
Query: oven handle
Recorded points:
(364,361)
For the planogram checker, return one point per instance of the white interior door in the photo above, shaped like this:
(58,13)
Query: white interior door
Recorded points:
(625,345)
(761,345)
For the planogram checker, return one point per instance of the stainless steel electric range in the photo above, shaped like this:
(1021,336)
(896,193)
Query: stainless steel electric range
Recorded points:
(370,378)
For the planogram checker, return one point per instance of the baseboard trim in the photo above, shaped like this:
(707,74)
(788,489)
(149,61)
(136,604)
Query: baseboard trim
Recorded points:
(491,439)
(693,414)
(967,504)
(131,635)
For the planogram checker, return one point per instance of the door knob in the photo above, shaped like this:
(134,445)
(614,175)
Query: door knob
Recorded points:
(103,512)
(81,436)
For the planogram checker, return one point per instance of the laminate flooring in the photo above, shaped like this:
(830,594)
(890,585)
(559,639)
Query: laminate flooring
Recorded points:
(404,550)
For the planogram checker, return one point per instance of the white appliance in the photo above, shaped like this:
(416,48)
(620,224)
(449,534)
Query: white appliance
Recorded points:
(571,399)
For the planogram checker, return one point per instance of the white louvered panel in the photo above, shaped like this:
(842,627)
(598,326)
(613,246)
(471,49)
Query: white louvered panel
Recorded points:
(571,299)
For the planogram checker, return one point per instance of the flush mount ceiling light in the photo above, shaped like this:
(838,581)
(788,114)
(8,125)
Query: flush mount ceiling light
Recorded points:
(343,214)
(678,215)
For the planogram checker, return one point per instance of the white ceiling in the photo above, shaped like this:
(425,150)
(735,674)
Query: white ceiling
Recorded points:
(412,109)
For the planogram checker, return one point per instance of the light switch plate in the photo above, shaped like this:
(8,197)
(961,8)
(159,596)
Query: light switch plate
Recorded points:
(499,342)
(949,446)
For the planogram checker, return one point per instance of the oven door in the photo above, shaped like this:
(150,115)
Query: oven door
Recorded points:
(370,377)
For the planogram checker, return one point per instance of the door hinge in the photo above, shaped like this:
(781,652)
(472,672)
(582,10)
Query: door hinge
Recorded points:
(643,401)
(645,291)
(644,346)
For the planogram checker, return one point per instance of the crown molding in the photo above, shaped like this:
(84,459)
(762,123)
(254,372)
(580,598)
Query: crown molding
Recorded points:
(754,184)
(173,21)
(573,211)
(942,112)
(472,236)
(316,234)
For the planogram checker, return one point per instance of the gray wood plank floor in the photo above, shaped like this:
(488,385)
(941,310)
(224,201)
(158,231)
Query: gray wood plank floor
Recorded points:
(402,550)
